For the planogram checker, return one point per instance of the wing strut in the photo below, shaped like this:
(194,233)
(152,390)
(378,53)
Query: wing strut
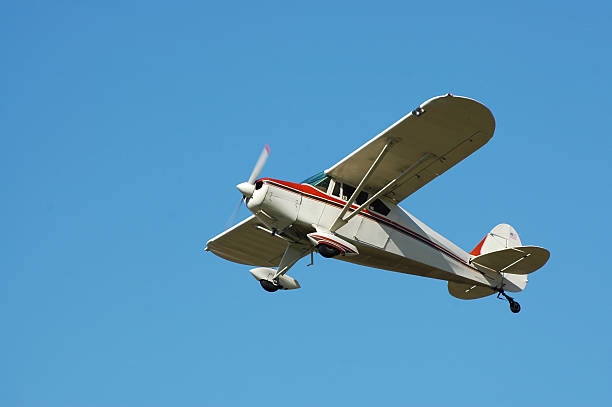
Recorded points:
(339,221)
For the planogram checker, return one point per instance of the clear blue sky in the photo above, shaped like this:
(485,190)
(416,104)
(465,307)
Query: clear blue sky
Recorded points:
(125,126)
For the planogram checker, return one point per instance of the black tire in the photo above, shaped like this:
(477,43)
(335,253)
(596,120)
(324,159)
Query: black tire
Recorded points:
(515,307)
(269,286)
(327,251)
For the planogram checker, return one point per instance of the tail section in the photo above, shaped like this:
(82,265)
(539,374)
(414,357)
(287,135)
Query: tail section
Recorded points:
(503,259)
(502,236)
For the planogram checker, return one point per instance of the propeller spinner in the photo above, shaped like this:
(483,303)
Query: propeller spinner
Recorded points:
(248,188)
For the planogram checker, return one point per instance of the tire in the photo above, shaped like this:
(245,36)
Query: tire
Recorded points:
(269,286)
(515,307)
(327,251)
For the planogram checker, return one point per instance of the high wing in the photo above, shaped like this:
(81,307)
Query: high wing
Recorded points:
(424,144)
(247,244)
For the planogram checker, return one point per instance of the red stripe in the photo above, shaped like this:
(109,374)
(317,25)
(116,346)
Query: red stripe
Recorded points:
(346,248)
(333,245)
(310,190)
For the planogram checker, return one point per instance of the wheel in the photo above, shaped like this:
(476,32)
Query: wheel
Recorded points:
(515,307)
(269,286)
(327,251)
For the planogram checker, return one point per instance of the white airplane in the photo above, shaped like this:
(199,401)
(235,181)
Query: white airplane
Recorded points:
(350,211)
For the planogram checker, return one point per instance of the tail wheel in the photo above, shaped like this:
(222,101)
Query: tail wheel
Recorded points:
(514,306)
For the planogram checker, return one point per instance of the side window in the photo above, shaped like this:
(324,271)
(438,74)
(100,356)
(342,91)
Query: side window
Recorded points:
(347,191)
(323,184)
(361,198)
(336,191)
(378,206)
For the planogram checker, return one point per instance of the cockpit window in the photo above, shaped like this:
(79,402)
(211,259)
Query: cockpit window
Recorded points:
(320,181)
(324,184)
(347,191)
(336,191)
(361,198)
(379,206)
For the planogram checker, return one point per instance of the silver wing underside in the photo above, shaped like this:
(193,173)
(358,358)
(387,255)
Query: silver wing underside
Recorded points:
(247,244)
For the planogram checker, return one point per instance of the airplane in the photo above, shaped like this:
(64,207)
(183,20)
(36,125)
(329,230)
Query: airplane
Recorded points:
(351,211)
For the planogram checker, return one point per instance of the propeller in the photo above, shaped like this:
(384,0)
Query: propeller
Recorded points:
(248,188)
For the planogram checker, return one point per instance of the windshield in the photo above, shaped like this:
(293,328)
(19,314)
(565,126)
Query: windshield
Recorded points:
(320,180)
(314,179)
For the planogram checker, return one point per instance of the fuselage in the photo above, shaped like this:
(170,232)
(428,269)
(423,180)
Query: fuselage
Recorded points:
(387,236)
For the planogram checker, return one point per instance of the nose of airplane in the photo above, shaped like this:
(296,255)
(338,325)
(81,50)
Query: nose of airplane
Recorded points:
(246,189)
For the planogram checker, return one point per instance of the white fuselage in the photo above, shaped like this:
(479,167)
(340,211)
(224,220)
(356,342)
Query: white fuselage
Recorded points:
(396,241)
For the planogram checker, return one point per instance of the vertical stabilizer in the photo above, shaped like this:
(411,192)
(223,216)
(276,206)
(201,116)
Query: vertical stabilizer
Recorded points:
(503,236)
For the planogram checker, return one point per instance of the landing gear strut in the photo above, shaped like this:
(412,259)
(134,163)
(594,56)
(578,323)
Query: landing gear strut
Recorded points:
(514,306)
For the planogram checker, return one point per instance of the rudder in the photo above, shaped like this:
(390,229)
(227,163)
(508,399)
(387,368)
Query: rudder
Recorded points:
(502,236)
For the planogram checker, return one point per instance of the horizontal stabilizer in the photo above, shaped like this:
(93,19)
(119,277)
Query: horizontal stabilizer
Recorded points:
(515,260)
(468,291)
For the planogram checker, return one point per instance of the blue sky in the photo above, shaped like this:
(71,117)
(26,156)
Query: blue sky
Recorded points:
(125,126)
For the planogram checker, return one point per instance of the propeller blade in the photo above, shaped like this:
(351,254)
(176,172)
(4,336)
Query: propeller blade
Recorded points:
(247,188)
(234,214)
(261,161)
